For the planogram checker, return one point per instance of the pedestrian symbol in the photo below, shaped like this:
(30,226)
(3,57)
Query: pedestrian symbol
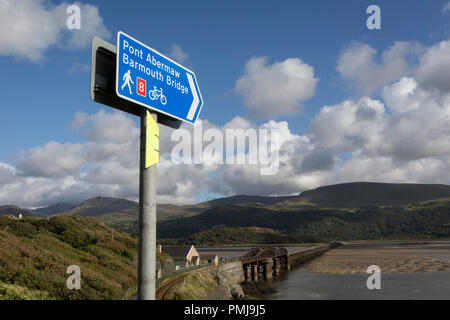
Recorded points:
(126,80)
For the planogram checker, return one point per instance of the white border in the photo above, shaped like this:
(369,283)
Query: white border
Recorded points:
(140,103)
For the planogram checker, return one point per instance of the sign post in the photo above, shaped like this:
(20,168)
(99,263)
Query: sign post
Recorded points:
(147,207)
(143,82)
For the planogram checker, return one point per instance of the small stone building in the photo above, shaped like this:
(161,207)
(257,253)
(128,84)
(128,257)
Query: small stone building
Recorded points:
(210,258)
(186,252)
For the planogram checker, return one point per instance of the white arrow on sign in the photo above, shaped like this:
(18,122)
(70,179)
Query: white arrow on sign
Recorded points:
(196,100)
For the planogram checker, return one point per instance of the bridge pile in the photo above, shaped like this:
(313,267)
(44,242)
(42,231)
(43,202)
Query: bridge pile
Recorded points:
(263,263)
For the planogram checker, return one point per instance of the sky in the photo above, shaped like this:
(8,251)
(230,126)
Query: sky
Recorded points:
(351,104)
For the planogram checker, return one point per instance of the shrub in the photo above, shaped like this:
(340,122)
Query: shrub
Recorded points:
(128,254)
(15,292)
(22,228)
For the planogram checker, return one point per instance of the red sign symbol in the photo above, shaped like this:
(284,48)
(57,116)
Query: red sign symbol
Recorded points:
(141,87)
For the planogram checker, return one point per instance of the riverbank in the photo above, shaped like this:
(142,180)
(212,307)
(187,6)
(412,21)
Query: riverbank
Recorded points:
(254,290)
(354,258)
(210,283)
(409,270)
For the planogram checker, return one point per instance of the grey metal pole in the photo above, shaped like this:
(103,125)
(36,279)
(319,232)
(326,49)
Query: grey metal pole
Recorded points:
(147,220)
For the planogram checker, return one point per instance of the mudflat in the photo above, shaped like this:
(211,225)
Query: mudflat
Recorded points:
(391,257)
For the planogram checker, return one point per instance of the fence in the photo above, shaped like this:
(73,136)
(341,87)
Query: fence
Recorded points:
(181,270)
(229,260)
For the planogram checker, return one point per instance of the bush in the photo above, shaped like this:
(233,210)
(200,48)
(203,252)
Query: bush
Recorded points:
(40,264)
(57,225)
(15,292)
(22,228)
(78,239)
(127,254)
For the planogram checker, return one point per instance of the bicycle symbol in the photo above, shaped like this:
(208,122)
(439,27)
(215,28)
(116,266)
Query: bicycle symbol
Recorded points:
(157,93)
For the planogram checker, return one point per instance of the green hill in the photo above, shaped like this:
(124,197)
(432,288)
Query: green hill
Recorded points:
(104,205)
(238,235)
(307,224)
(349,210)
(15,211)
(240,199)
(56,208)
(35,254)
(123,214)
(357,194)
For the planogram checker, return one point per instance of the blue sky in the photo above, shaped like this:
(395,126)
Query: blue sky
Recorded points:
(40,98)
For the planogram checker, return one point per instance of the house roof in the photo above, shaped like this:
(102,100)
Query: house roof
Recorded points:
(208,256)
(176,251)
(180,263)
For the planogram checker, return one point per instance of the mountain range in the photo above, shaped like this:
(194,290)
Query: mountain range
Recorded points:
(352,206)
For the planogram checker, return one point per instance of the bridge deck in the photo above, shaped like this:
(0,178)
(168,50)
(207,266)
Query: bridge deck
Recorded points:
(260,254)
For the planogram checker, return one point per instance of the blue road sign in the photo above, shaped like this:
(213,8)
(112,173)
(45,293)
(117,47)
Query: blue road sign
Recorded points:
(146,77)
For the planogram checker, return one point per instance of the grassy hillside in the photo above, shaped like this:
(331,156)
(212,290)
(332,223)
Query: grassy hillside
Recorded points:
(56,208)
(358,194)
(123,214)
(362,210)
(15,292)
(104,205)
(238,235)
(307,224)
(35,254)
(15,211)
(240,199)
(340,197)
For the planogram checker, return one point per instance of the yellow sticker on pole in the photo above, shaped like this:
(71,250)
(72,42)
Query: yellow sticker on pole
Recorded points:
(152,142)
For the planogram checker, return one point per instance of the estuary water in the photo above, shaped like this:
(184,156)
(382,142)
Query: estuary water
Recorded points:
(300,284)
(408,271)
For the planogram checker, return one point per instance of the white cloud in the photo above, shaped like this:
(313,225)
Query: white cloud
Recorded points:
(418,129)
(275,89)
(107,164)
(404,95)
(406,145)
(91,25)
(349,125)
(429,66)
(106,127)
(246,179)
(177,53)
(446,8)
(422,132)
(402,137)
(30,27)
(51,160)
(358,63)
(434,67)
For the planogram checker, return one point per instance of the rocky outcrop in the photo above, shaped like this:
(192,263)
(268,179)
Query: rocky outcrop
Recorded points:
(237,292)
(228,277)
(232,272)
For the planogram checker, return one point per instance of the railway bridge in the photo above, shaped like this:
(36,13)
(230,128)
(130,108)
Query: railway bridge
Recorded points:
(263,263)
